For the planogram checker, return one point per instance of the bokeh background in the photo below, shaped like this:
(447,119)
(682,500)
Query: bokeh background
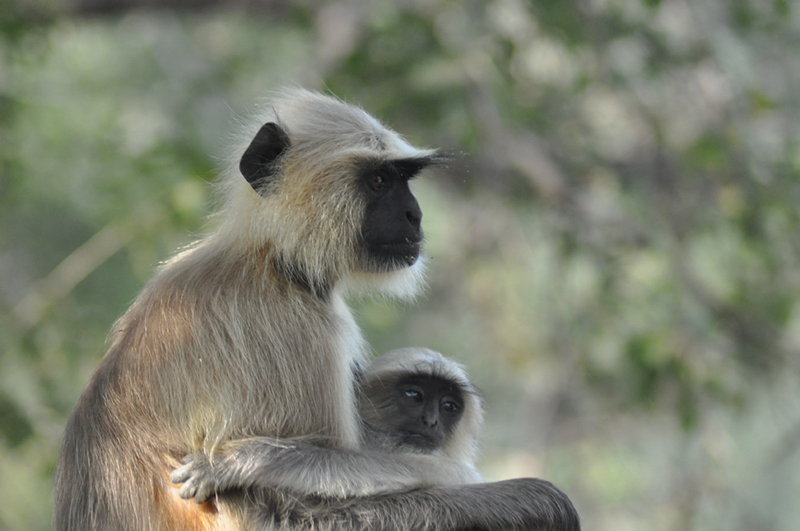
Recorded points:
(614,251)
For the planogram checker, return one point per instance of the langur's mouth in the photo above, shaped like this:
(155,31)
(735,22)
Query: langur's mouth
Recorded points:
(418,440)
(406,250)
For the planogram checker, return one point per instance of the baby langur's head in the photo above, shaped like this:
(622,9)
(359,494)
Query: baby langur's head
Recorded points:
(424,400)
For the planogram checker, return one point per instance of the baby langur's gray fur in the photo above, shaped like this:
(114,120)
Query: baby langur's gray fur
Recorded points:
(301,466)
(245,341)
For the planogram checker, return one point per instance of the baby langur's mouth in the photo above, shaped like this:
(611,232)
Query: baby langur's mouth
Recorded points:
(419,440)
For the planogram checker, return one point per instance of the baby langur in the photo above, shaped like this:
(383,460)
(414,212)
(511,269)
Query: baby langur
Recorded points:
(415,399)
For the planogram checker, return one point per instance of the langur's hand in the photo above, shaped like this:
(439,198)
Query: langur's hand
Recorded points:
(199,476)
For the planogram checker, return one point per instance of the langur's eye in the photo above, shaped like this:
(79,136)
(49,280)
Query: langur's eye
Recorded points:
(450,406)
(377,182)
(413,394)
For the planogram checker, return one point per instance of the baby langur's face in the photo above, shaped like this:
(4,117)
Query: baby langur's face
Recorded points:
(427,410)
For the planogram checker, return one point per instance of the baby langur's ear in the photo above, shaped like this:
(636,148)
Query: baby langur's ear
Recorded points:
(259,163)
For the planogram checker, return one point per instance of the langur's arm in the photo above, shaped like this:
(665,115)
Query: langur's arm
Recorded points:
(524,504)
(309,469)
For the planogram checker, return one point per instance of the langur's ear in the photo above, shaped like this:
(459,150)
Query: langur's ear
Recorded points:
(258,163)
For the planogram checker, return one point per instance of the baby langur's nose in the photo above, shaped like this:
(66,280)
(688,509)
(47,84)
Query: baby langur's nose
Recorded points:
(430,419)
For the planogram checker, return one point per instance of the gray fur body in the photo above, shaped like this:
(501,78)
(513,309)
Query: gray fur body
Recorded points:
(246,336)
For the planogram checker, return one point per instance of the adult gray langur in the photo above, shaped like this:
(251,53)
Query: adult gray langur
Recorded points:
(244,342)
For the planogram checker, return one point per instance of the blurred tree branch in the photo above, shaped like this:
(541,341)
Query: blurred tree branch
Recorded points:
(80,263)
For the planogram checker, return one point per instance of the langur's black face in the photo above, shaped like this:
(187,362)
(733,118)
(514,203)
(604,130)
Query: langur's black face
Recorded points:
(427,410)
(392,231)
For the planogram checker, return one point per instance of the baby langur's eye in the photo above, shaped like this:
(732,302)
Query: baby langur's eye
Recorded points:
(413,394)
(450,406)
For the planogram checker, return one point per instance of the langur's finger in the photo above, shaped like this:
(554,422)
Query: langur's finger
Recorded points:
(188,490)
(179,475)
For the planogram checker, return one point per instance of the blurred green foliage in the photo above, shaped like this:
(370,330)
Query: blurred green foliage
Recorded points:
(614,250)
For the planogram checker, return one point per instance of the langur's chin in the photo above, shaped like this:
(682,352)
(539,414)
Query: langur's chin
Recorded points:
(404,281)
